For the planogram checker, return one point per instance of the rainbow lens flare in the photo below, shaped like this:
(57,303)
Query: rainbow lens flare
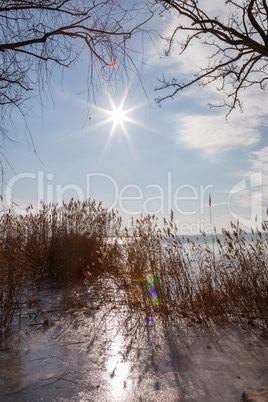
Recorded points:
(152,284)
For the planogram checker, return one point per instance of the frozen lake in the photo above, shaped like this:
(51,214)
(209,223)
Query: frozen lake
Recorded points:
(79,349)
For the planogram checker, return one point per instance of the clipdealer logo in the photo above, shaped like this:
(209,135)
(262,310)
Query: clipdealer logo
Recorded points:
(252,192)
(185,200)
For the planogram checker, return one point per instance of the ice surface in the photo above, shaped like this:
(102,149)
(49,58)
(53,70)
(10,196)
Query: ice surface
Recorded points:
(97,352)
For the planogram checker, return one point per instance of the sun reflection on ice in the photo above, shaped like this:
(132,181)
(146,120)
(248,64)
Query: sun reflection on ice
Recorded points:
(118,369)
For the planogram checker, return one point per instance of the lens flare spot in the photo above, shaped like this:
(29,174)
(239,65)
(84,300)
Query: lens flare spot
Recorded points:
(152,284)
(155,301)
(113,64)
(150,320)
(153,293)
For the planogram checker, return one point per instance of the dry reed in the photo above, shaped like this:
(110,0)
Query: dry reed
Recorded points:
(154,271)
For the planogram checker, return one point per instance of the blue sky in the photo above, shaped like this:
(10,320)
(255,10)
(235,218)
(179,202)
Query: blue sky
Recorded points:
(168,157)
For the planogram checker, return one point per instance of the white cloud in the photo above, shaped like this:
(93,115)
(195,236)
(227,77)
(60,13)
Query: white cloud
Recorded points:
(196,54)
(259,160)
(188,62)
(212,134)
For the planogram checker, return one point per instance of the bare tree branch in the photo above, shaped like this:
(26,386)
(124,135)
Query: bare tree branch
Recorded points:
(240,46)
(36,35)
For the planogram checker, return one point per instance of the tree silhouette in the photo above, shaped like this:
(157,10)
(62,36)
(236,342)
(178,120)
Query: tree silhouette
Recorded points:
(37,35)
(239,42)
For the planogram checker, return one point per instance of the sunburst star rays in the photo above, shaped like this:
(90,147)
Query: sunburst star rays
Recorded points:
(119,116)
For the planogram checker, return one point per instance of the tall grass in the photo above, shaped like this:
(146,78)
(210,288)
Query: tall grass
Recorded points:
(152,269)
(62,244)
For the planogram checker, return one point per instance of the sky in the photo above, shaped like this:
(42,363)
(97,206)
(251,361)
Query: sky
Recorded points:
(158,159)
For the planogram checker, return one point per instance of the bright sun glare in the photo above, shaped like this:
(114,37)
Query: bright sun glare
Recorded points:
(118,115)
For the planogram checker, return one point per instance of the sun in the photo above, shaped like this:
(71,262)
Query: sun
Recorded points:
(119,116)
